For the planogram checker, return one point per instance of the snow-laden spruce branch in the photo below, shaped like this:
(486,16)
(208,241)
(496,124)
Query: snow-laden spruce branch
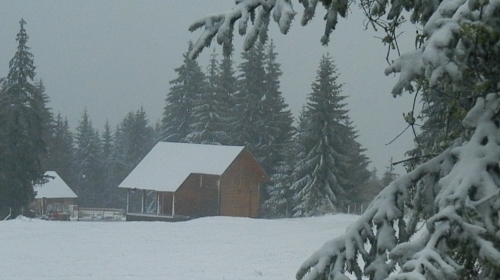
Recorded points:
(257,11)
(446,51)
(456,192)
(442,51)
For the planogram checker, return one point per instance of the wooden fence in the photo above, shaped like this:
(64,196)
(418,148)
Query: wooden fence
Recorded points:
(99,214)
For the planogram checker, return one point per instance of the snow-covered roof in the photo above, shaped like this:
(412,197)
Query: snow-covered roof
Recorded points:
(167,165)
(54,188)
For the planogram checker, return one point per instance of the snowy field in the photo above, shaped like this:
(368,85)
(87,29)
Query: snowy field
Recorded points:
(206,248)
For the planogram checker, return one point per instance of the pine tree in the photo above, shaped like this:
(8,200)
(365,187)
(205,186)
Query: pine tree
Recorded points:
(389,174)
(121,168)
(282,197)
(109,183)
(276,134)
(278,118)
(280,201)
(157,132)
(228,88)
(21,133)
(134,138)
(47,122)
(61,150)
(107,143)
(210,110)
(88,164)
(249,122)
(177,115)
(322,185)
(371,188)
(357,170)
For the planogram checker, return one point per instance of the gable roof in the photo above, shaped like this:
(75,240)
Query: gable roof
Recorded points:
(167,165)
(54,188)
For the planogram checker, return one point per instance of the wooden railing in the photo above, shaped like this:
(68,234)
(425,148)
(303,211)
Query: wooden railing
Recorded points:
(100,214)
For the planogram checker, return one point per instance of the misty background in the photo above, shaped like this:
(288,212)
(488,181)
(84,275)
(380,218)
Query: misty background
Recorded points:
(113,57)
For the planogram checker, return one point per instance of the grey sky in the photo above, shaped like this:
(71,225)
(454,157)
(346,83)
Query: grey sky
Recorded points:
(118,55)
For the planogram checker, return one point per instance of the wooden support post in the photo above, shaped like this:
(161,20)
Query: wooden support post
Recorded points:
(250,202)
(218,197)
(128,200)
(158,203)
(258,201)
(173,204)
(143,201)
(200,213)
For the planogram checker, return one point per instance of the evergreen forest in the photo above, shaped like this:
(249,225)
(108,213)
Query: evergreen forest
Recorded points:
(314,164)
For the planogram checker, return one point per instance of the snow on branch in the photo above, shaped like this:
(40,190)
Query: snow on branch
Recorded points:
(258,13)
(461,185)
(443,55)
(388,207)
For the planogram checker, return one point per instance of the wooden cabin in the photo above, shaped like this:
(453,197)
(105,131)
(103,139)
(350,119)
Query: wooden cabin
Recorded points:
(54,196)
(195,180)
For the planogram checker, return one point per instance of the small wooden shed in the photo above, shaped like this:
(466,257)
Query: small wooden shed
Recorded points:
(196,180)
(54,195)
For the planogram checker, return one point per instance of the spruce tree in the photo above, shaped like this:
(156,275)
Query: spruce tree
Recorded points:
(121,168)
(133,139)
(389,175)
(276,132)
(107,143)
(156,132)
(280,202)
(210,110)
(21,132)
(61,150)
(228,88)
(249,123)
(277,117)
(227,82)
(109,184)
(322,182)
(123,142)
(48,123)
(357,172)
(177,115)
(262,121)
(88,164)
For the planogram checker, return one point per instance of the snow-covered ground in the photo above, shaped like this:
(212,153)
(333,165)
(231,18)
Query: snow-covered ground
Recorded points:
(206,248)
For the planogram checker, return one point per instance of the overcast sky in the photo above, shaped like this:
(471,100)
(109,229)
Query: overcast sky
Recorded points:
(115,56)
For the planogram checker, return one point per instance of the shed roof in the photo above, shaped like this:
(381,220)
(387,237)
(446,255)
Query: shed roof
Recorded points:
(167,165)
(54,188)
